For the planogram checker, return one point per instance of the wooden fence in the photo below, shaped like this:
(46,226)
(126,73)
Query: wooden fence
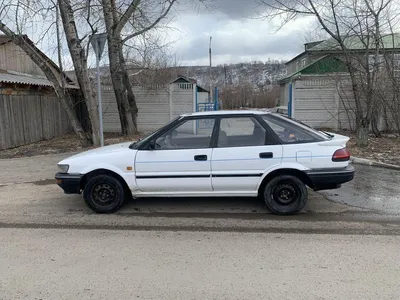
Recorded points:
(26,119)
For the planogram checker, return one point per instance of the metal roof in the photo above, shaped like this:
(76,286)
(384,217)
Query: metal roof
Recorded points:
(21,78)
(353,42)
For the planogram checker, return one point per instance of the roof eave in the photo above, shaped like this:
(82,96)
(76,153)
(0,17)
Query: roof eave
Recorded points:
(296,57)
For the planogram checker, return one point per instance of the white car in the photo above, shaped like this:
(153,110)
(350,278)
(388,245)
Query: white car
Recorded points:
(213,154)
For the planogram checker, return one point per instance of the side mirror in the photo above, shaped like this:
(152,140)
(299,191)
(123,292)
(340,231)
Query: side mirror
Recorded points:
(152,145)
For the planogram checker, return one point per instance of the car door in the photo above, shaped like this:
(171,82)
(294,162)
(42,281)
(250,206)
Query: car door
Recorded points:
(244,151)
(181,160)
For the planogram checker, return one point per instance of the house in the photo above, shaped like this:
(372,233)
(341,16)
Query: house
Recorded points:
(157,103)
(318,89)
(29,108)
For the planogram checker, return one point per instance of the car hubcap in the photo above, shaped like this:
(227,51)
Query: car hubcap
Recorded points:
(285,194)
(103,194)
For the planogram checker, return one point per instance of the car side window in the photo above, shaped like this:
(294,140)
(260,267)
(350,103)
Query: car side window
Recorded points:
(241,132)
(289,132)
(191,134)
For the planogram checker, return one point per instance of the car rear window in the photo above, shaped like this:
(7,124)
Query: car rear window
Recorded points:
(290,131)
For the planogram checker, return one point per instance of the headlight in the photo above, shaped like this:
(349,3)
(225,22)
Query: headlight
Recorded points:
(63,168)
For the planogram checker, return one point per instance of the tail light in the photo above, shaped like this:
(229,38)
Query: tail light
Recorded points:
(341,155)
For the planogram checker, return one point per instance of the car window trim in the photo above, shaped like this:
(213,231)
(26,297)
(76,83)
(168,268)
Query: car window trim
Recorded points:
(176,124)
(315,140)
(272,139)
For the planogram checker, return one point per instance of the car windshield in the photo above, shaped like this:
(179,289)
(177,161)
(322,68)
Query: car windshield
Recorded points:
(146,138)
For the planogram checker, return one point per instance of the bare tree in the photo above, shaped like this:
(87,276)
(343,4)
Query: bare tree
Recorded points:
(41,61)
(135,16)
(79,59)
(356,30)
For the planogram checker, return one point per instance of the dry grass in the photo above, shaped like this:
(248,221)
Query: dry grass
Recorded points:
(63,144)
(385,149)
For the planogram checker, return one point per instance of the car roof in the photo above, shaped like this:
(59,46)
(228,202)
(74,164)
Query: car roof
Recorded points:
(227,112)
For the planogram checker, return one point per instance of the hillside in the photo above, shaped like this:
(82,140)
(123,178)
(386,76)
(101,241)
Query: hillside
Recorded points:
(259,75)
(243,84)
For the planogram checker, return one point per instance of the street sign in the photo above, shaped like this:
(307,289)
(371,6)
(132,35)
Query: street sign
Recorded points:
(98,41)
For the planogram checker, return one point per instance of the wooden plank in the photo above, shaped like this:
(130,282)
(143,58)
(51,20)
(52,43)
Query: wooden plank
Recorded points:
(14,120)
(30,119)
(60,121)
(3,144)
(20,124)
(11,115)
(54,121)
(45,118)
(50,120)
(40,121)
(7,118)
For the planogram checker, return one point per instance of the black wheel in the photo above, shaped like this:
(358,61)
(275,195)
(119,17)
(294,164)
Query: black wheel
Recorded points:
(285,195)
(104,194)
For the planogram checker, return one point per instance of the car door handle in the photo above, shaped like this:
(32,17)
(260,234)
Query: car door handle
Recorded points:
(200,157)
(266,155)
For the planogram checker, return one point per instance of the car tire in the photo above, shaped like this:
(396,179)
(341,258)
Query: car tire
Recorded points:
(104,194)
(285,195)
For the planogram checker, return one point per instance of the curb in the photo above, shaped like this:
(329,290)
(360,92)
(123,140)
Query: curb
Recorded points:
(368,162)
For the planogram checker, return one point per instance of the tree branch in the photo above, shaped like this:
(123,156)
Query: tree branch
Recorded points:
(151,26)
(125,17)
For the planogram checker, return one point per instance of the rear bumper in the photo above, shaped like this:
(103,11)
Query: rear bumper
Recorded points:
(326,179)
(70,183)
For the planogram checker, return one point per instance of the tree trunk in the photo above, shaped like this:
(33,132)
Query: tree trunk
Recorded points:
(362,132)
(124,109)
(79,60)
(43,65)
(374,125)
(128,87)
(119,87)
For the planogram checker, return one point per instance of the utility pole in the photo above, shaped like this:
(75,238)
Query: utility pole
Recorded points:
(209,52)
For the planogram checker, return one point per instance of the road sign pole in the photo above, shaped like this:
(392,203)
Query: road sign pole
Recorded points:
(98,41)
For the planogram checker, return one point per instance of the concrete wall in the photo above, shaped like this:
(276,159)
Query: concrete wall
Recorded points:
(157,105)
(327,102)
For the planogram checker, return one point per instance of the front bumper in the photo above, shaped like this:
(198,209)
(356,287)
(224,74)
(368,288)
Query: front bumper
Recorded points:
(70,183)
(326,179)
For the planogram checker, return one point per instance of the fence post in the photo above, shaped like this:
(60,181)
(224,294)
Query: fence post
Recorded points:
(195,106)
(170,101)
(290,100)
(194,97)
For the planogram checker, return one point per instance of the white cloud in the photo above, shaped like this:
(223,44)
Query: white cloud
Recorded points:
(235,40)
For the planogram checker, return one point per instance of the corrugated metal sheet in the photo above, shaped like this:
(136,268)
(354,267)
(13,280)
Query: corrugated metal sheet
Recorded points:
(24,79)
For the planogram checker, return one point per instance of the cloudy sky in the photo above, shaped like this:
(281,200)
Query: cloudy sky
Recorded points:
(237,34)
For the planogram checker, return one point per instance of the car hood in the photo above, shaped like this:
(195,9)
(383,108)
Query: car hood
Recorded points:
(101,150)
